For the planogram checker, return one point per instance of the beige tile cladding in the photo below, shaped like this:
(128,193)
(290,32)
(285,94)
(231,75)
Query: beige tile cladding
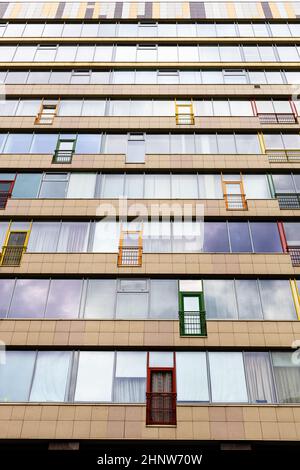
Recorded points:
(163,263)
(147,90)
(145,333)
(155,207)
(157,162)
(232,423)
(146,123)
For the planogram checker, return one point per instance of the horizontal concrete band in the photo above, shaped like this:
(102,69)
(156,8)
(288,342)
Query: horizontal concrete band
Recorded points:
(145,123)
(202,422)
(165,162)
(146,334)
(147,90)
(153,263)
(132,207)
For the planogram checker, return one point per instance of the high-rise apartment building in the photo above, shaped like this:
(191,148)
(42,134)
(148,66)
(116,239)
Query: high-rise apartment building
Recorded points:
(121,320)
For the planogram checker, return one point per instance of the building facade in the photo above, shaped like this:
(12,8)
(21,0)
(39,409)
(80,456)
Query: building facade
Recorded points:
(149,224)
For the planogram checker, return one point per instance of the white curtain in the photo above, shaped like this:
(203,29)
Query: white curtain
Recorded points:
(191,376)
(81,186)
(287,377)
(73,237)
(95,375)
(130,377)
(44,237)
(259,376)
(228,383)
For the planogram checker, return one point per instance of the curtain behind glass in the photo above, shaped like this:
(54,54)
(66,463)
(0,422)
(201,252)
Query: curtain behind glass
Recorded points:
(44,237)
(81,185)
(259,377)
(287,377)
(129,390)
(73,237)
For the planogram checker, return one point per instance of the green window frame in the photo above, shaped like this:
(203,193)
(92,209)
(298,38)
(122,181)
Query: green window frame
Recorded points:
(64,155)
(192,323)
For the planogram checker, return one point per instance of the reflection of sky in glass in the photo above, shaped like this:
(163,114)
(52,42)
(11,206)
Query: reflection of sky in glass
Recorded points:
(6,288)
(29,298)
(216,237)
(64,298)
(265,237)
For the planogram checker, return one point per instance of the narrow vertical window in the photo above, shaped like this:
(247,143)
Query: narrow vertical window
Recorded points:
(64,150)
(136,148)
(191,309)
(161,389)
(6,187)
(47,112)
(14,247)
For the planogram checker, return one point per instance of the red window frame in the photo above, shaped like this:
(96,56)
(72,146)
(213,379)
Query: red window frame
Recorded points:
(165,415)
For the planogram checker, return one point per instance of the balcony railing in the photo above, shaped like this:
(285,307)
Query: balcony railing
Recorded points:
(130,256)
(62,156)
(294,252)
(288,200)
(192,323)
(4,196)
(277,118)
(12,255)
(236,202)
(283,156)
(161,408)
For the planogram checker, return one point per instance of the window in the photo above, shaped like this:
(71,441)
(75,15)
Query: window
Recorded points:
(133,302)
(18,143)
(135,148)
(81,186)
(51,376)
(239,237)
(95,376)
(54,186)
(265,237)
(259,377)
(6,290)
(64,150)
(88,143)
(44,237)
(234,193)
(228,384)
(101,296)
(47,112)
(256,187)
(24,54)
(220,300)
(210,187)
(145,53)
(73,237)
(43,143)
(287,377)
(277,300)
(29,299)
(64,298)
(6,187)
(191,377)
(184,186)
(106,237)
(16,376)
(130,248)
(15,246)
(191,310)
(166,289)
(130,377)
(45,52)
(215,237)
(248,299)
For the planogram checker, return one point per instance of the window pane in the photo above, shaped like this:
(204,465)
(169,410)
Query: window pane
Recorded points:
(24,54)
(112,186)
(248,300)
(287,377)
(215,237)
(226,143)
(210,187)
(132,305)
(106,237)
(134,186)
(66,53)
(220,301)
(260,377)
(256,187)
(95,376)
(53,189)
(277,300)
(239,237)
(130,377)
(265,237)
(116,143)
(18,143)
(161,359)
(157,187)
(50,377)
(29,299)
(157,143)
(73,237)
(93,108)
(70,108)
(28,107)
(101,298)
(88,143)
(81,185)
(191,376)
(228,384)
(6,290)
(64,298)
(168,291)
(184,187)
(16,375)
(43,143)
(44,237)
(27,185)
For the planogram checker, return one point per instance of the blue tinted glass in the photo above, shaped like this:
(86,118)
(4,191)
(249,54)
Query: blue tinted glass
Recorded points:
(2,140)
(44,143)
(88,143)
(18,143)
(265,237)
(216,237)
(27,185)
(239,237)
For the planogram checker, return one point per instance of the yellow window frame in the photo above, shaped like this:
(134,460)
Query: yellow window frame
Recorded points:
(296,296)
(187,117)
(6,240)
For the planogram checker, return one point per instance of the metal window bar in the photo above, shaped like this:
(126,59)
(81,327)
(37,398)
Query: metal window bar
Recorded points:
(277,118)
(283,156)
(130,256)
(236,202)
(192,323)
(62,156)
(288,200)
(12,255)
(294,252)
(161,408)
